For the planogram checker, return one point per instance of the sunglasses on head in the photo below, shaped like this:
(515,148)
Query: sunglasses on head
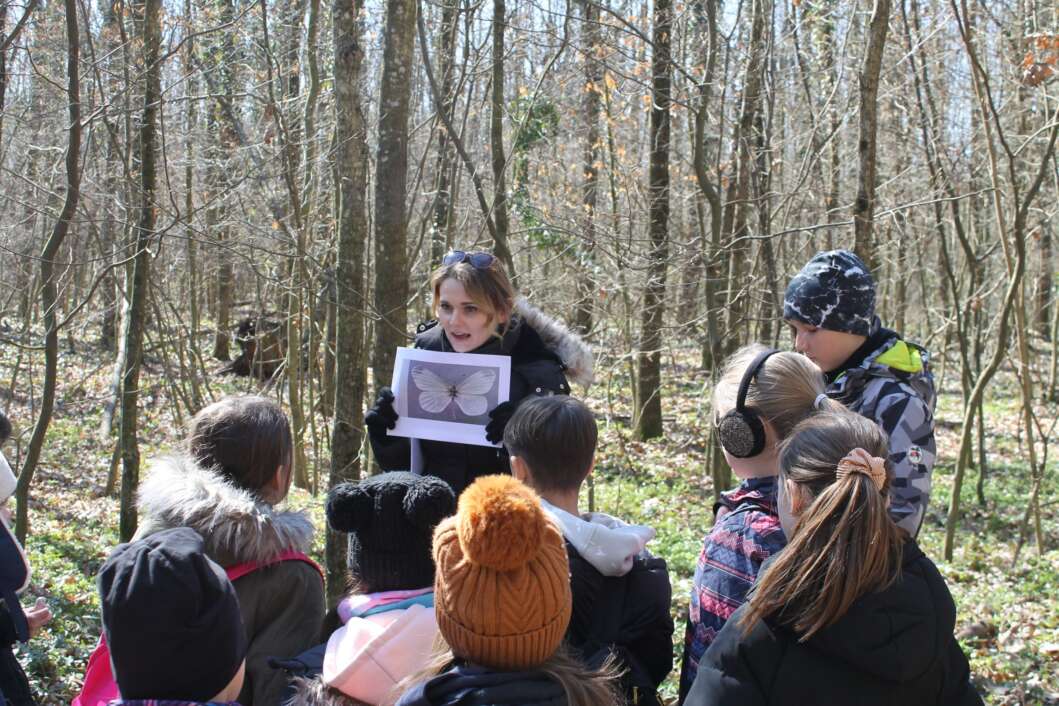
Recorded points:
(478,260)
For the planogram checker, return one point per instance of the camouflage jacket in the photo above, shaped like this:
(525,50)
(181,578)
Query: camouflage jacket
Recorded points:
(893,386)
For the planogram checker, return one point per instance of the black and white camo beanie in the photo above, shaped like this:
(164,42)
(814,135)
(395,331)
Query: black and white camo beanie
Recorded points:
(833,291)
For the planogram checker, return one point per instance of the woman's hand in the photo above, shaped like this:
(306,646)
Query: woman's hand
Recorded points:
(498,419)
(381,416)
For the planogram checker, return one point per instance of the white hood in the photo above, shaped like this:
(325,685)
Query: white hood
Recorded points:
(606,542)
(7,479)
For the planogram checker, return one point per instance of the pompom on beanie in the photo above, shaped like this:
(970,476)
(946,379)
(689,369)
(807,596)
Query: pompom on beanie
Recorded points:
(390,519)
(502,591)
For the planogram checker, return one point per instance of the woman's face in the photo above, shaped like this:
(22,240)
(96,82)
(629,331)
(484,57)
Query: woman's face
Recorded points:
(466,323)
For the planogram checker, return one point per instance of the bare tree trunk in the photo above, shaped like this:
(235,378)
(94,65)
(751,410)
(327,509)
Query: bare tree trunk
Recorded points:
(827,42)
(1045,278)
(864,209)
(217,181)
(351,168)
(191,246)
(496,141)
(151,32)
(48,295)
(1052,395)
(711,350)
(391,218)
(442,206)
(590,109)
(761,183)
(649,377)
(740,191)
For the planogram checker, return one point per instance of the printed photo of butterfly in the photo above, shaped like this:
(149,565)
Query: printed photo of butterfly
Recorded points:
(469,395)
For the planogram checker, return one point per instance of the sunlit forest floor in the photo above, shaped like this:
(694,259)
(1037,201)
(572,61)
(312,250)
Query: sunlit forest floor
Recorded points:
(1008,616)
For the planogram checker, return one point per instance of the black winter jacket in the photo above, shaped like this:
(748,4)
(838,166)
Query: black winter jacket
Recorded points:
(14,686)
(627,616)
(469,685)
(892,647)
(543,354)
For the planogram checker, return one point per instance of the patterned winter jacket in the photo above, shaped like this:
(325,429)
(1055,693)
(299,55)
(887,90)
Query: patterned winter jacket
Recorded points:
(731,557)
(889,381)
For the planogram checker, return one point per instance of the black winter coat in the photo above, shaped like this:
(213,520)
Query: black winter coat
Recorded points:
(627,616)
(14,686)
(543,352)
(894,647)
(469,685)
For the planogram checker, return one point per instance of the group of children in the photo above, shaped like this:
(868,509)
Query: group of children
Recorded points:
(469,589)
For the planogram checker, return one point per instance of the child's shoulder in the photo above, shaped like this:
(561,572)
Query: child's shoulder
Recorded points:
(750,521)
(752,495)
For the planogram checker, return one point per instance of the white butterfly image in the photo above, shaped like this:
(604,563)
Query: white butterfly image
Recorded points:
(436,393)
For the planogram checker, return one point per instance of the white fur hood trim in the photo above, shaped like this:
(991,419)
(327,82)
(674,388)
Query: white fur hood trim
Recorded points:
(236,526)
(571,348)
(605,542)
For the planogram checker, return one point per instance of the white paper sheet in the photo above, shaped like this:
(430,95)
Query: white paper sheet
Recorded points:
(447,396)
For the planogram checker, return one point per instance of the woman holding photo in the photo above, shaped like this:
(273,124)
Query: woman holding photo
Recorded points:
(478,311)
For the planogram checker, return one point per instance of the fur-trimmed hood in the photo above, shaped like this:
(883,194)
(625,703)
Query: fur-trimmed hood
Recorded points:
(236,526)
(571,348)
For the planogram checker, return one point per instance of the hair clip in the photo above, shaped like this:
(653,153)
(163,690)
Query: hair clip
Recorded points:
(860,461)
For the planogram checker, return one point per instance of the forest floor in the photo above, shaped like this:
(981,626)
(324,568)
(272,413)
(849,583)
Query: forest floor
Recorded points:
(1008,616)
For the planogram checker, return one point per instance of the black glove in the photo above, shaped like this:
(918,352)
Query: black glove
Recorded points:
(498,419)
(382,416)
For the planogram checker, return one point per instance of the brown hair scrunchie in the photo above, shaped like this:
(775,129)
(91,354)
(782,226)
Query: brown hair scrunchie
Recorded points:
(860,461)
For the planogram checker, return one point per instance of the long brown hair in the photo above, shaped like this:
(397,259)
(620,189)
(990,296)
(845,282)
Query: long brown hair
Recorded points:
(845,545)
(490,288)
(583,686)
(784,391)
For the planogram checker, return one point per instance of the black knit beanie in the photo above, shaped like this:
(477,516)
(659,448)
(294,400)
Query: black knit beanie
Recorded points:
(834,291)
(171,619)
(390,519)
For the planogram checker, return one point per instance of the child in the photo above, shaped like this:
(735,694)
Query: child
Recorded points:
(389,626)
(502,601)
(777,390)
(621,594)
(171,618)
(830,305)
(238,465)
(851,612)
(15,625)
(478,312)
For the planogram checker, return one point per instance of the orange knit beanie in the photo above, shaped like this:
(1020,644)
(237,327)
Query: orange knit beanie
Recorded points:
(502,587)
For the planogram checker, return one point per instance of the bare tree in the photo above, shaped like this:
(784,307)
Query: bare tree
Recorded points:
(864,209)
(48,295)
(391,217)
(148,20)
(351,172)
(649,376)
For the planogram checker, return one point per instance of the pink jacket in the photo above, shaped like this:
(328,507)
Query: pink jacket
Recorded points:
(367,657)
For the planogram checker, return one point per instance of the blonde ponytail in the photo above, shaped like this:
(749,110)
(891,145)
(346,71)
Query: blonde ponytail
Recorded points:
(844,544)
